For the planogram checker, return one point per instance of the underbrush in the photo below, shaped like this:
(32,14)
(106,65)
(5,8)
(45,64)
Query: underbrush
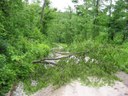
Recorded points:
(17,65)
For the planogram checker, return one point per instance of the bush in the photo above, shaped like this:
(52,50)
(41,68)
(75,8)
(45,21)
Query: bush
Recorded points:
(113,57)
(20,66)
(2,60)
(7,78)
(40,50)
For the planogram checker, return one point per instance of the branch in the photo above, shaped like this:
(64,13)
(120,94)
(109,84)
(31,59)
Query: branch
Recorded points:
(47,60)
(72,53)
(44,62)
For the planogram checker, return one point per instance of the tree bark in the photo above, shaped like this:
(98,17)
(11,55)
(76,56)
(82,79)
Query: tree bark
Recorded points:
(42,12)
(95,22)
(111,33)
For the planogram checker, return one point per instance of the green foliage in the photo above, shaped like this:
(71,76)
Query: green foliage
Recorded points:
(7,77)
(40,50)
(114,57)
(67,27)
(75,1)
(2,60)
(21,42)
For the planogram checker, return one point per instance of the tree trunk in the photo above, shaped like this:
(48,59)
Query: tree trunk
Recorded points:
(124,37)
(42,13)
(112,36)
(95,22)
(111,33)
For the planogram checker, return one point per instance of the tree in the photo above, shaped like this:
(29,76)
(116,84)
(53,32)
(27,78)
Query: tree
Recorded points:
(119,19)
(46,15)
(111,32)
(95,22)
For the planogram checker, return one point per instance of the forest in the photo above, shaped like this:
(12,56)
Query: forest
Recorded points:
(28,32)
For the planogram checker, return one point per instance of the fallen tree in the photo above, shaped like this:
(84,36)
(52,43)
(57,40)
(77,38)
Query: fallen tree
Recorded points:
(53,61)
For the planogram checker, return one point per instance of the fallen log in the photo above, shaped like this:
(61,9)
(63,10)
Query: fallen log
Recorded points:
(74,53)
(57,58)
(48,60)
(44,62)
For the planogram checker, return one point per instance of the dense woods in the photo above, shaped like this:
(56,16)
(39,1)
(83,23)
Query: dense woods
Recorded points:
(29,31)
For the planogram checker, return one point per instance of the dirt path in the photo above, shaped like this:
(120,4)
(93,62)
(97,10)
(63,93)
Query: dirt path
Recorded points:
(77,89)
(124,77)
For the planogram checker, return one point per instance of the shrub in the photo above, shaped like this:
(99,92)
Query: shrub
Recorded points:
(113,57)
(20,66)
(40,50)
(7,78)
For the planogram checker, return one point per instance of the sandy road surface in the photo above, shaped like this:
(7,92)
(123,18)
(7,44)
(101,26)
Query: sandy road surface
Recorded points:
(75,88)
